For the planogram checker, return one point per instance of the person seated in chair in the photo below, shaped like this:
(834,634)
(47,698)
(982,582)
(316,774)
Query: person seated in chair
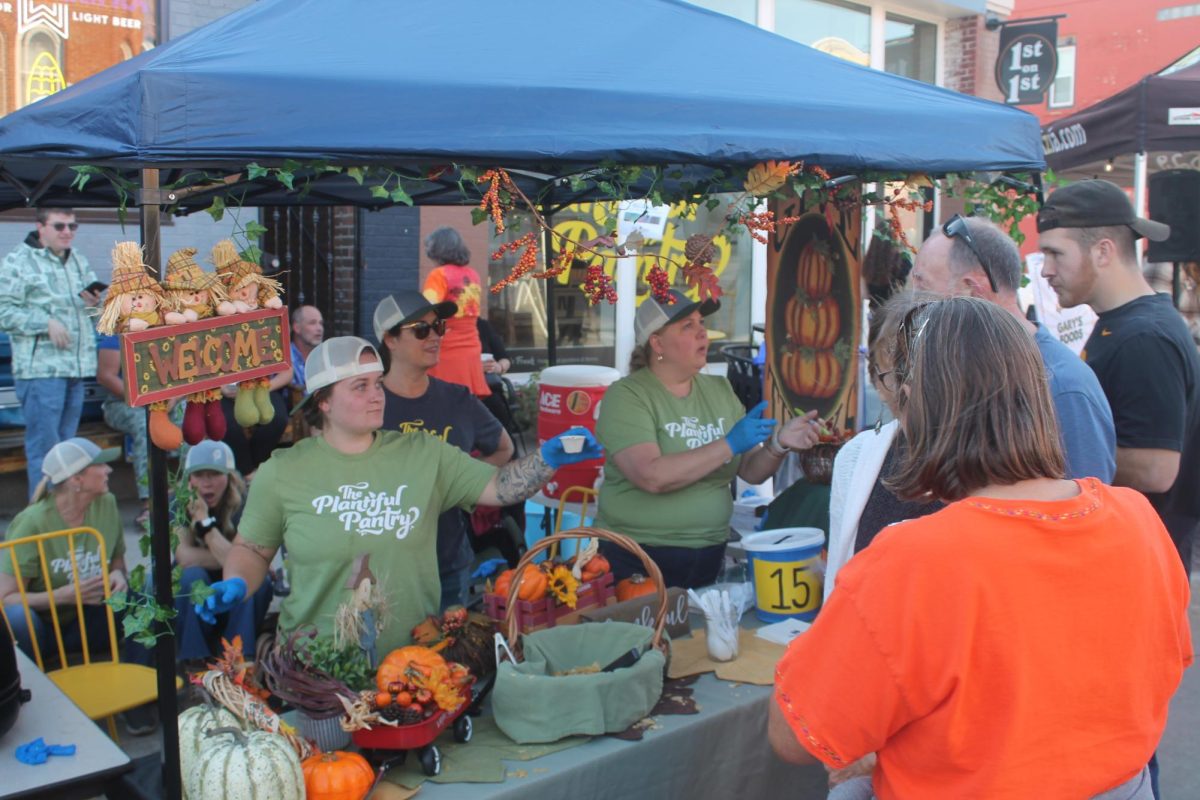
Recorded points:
(214,508)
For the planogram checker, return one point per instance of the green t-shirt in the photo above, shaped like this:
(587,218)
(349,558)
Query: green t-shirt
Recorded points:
(43,517)
(342,515)
(638,409)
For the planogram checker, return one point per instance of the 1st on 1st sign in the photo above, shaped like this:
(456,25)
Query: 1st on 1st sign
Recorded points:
(1026,68)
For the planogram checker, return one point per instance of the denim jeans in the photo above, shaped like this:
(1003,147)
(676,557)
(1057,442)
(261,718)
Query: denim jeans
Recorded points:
(243,620)
(95,620)
(51,407)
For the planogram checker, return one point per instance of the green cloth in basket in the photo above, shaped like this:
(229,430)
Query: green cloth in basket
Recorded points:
(534,702)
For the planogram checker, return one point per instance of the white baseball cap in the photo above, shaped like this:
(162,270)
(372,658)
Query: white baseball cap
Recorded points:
(652,316)
(335,360)
(406,306)
(210,455)
(72,456)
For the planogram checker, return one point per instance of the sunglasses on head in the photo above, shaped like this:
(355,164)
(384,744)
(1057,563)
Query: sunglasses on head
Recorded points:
(62,226)
(957,226)
(422,329)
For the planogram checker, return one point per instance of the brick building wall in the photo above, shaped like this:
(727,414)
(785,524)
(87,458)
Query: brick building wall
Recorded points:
(970,57)
(347,309)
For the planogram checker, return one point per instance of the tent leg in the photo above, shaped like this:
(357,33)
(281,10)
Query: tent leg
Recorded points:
(1139,196)
(551,323)
(160,548)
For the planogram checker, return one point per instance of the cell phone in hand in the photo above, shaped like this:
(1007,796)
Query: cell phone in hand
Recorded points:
(96,287)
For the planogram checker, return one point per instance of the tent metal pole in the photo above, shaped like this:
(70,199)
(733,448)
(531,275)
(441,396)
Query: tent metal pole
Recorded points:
(1139,194)
(551,325)
(160,546)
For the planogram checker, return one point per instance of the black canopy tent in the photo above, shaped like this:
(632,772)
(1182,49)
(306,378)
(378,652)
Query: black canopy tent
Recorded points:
(373,83)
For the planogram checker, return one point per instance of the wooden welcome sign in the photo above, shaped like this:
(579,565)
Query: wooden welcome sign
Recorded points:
(176,360)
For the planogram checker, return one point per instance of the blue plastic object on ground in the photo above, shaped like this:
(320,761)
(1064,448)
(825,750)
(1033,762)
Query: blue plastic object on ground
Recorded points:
(37,751)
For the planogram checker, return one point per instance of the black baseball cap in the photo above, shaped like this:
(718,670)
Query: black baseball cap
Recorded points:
(1096,204)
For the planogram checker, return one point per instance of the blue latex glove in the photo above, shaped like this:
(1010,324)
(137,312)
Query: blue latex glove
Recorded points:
(37,751)
(554,454)
(750,430)
(489,568)
(226,595)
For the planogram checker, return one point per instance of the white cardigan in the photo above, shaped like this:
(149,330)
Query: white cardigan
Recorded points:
(854,472)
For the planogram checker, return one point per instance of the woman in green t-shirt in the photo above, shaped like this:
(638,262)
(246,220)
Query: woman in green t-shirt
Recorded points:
(357,502)
(676,438)
(73,494)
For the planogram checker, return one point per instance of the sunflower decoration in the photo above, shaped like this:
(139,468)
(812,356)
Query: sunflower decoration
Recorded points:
(564,586)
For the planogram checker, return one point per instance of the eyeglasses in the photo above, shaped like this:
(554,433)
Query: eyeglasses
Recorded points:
(422,329)
(62,226)
(957,226)
(909,332)
(881,378)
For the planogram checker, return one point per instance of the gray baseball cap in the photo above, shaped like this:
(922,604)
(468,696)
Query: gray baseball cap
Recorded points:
(335,360)
(72,456)
(652,315)
(209,455)
(406,306)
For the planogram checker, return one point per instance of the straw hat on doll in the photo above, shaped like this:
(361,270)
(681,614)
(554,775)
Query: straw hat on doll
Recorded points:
(129,276)
(183,274)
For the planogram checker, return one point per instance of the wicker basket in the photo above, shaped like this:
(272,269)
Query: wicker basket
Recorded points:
(511,624)
(817,462)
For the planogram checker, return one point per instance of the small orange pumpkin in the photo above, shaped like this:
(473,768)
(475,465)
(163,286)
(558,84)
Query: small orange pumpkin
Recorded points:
(392,669)
(533,584)
(337,776)
(636,585)
(596,566)
(503,583)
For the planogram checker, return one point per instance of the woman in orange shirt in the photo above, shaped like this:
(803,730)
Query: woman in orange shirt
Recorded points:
(454,281)
(1026,640)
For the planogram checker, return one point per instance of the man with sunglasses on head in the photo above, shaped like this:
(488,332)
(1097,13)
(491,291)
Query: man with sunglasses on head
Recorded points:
(971,256)
(46,309)
(409,329)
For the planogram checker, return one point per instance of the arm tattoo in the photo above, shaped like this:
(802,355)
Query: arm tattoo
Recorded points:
(518,480)
(265,553)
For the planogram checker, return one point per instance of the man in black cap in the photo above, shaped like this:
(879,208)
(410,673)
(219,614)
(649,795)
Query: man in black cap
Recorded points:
(1140,348)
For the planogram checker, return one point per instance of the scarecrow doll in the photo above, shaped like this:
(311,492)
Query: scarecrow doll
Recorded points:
(248,289)
(194,294)
(133,304)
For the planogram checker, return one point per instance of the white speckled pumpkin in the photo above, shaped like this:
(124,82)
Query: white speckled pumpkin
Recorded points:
(255,765)
(194,723)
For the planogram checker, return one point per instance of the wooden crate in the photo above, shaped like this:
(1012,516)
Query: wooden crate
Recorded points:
(546,613)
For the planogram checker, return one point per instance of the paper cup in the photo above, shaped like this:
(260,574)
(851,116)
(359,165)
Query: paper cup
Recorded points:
(572,443)
(486,357)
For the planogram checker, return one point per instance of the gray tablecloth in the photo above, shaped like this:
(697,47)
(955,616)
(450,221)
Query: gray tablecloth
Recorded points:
(720,752)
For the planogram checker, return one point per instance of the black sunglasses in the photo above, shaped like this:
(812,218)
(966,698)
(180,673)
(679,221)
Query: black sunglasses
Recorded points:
(62,226)
(957,226)
(422,329)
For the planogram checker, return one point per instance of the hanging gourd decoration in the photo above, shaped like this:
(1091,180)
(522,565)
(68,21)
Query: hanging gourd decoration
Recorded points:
(133,304)
(193,294)
(635,585)
(337,776)
(245,766)
(248,290)
(194,725)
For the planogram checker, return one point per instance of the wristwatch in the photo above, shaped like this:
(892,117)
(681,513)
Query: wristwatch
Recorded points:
(203,526)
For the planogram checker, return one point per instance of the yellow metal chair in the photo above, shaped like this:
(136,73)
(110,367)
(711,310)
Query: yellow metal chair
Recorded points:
(100,688)
(587,497)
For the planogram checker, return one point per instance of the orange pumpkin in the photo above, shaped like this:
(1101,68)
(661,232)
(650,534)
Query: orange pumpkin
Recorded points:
(812,373)
(636,585)
(596,566)
(814,324)
(533,584)
(813,275)
(337,776)
(396,663)
(503,583)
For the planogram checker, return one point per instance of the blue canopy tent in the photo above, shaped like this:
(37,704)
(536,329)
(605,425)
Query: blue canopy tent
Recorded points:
(545,88)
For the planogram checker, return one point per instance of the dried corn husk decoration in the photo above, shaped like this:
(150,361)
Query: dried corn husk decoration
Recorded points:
(129,277)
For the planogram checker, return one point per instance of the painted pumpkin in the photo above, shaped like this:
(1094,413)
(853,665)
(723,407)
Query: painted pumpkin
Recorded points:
(245,766)
(636,585)
(814,277)
(194,724)
(814,324)
(396,663)
(337,776)
(812,373)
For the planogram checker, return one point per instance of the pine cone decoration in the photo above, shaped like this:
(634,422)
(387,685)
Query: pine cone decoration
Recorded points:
(409,716)
(699,249)
(391,712)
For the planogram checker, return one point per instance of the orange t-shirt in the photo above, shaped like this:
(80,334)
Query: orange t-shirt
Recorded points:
(460,360)
(998,649)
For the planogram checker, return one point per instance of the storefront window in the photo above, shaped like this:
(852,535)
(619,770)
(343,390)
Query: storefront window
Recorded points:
(834,27)
(585,333)
(910,48)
